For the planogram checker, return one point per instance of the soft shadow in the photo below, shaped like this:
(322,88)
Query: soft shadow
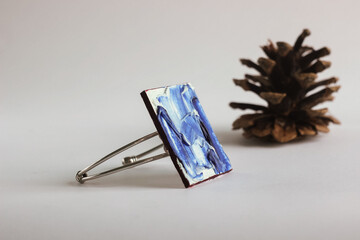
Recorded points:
(142,178)
(235,138)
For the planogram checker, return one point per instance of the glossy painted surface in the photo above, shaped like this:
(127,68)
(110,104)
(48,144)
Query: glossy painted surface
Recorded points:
(189,133)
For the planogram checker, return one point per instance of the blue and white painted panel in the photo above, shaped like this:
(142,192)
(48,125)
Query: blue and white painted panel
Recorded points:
(188,131)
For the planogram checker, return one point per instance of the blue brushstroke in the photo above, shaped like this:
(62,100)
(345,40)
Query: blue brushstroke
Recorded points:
(189,132)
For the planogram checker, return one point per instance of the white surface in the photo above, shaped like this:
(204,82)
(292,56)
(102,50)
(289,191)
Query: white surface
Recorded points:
(71,73)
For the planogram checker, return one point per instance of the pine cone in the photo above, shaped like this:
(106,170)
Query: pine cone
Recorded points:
(286,82)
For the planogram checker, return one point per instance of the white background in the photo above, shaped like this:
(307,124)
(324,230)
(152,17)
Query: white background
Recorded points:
(71,73)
